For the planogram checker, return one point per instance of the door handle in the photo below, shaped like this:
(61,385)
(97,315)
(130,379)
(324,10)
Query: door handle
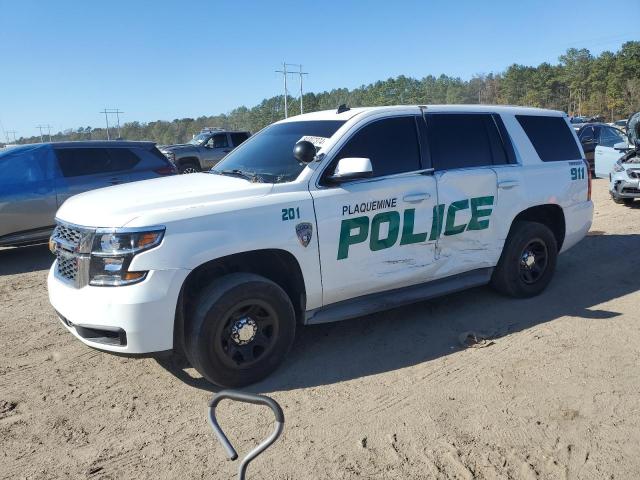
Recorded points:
(226,150)
(507,184)
(416,197)
(116,181)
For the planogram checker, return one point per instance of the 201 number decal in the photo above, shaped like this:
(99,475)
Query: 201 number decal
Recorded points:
(290,214)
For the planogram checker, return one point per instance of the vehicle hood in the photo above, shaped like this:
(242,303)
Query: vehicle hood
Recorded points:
(178,147)
(118,205)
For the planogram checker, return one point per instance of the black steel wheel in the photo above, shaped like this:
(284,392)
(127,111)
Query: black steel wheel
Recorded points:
(528,260)
(241,330)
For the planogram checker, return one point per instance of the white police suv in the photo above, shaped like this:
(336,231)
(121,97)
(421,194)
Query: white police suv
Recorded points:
(317,218)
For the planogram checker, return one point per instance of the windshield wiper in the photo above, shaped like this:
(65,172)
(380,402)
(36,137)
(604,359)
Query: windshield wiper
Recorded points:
(252,177)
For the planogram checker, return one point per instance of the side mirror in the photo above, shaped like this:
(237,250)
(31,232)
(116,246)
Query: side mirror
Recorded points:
(351,168)
(621,146)
(304,151)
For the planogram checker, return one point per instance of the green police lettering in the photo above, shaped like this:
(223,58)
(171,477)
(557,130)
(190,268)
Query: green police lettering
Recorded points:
(356,230)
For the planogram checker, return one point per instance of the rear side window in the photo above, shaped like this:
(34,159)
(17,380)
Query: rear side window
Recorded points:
(238,138)
(464,141)
(76,162)
(551,137)
(122,159)
(391,144)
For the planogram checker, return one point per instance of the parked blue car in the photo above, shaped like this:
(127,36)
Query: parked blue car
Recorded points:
(36,179)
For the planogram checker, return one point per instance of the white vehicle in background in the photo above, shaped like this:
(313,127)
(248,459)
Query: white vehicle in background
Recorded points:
(317,218)
(624,178)
(606,156)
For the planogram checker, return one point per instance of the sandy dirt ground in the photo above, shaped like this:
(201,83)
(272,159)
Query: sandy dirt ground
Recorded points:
(554,393)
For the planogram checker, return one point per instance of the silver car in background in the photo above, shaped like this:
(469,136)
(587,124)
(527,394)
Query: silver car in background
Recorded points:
(36,179)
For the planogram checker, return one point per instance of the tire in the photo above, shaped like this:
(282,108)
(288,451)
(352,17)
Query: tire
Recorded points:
(227,312)
(527,242)
(621,200)
(188,167)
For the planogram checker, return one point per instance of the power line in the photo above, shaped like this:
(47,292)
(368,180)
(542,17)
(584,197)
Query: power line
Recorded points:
(13,133)
(40,127)
(284,73)
(108,111)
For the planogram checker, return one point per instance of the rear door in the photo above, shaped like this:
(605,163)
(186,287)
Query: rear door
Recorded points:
(461,153)
(27,193)
(88,168)
(374,233)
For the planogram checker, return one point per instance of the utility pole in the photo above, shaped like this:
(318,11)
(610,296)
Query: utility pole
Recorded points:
(40,127)
(12,132)
(284,73)
(106,112)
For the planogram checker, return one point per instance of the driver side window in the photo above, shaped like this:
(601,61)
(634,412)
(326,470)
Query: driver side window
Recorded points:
(391,144)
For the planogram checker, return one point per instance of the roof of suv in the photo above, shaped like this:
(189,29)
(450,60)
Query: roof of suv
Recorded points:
(352,112)
(101,144)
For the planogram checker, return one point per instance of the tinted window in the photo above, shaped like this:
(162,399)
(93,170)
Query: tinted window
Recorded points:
(220,140)
(75,162)
(610,136)
(122,159)
(238,138)
(463,141)
(24,166)
(391,145)
(587,134)
(551,137)
(269,153)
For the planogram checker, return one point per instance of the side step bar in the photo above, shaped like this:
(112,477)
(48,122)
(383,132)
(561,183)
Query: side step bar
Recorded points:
(376,302)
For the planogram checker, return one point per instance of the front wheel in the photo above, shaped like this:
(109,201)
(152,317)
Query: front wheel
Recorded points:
(188,167)
(242,328)
(528,260)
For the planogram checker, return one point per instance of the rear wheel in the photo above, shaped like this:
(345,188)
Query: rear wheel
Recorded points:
(242,328)
(528,260)
(188,167)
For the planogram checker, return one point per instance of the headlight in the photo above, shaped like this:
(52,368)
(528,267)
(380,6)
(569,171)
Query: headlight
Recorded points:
(170,155)
(113,250)
(618,168)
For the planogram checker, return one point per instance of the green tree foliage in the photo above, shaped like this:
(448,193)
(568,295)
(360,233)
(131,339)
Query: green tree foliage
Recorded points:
(579,84)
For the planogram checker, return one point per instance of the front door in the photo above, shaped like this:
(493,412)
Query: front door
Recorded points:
(214,150)
(375,234)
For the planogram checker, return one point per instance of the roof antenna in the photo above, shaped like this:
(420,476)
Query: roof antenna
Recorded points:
(343,108)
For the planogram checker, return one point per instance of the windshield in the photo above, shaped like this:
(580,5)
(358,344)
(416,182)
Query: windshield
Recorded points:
(268,155)
(199,139)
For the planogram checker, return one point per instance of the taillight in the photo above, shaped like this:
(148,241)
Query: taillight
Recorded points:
(168,170)
(586,164)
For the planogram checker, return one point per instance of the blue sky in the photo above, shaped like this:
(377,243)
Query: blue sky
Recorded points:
(61,62)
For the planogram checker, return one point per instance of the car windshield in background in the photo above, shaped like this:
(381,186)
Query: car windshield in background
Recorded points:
(268,155)
(199,139)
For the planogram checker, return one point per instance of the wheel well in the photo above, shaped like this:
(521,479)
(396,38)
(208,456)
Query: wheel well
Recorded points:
(550,215)
(188,160)
(279,266)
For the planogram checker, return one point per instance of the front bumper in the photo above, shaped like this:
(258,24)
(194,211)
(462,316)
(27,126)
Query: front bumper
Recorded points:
(134,319)
(624,187)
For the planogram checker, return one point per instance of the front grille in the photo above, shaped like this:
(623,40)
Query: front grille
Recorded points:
(634,173)
(67,266)
(630,190)
(68,234)
(73,249)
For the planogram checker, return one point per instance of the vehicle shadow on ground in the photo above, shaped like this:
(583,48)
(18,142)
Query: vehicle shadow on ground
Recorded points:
(25,259)
(593,272)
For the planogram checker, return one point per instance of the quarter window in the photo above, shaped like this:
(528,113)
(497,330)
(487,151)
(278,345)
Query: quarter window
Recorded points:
(391,144)
(551,137)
